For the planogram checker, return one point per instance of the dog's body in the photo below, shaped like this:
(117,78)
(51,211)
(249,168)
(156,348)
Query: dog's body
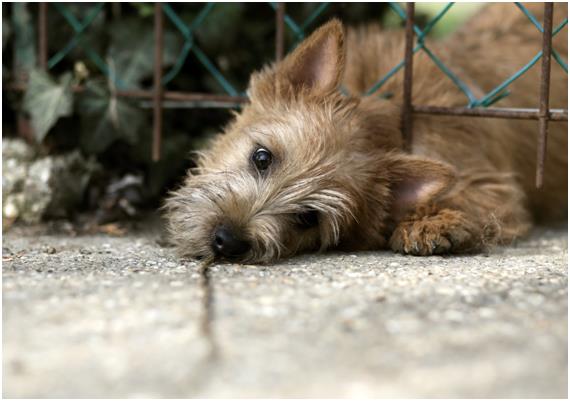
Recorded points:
(304,167)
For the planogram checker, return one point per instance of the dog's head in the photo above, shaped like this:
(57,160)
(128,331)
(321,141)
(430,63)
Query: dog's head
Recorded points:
(289,174)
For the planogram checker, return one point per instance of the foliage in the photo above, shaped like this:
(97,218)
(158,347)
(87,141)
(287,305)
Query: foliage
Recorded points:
(46,101)
(106,118)
(131,51)
(75,104)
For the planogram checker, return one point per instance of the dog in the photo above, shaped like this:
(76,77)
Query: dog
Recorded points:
(304,167)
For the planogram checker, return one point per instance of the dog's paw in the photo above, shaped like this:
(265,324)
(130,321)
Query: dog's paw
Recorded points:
(445,232)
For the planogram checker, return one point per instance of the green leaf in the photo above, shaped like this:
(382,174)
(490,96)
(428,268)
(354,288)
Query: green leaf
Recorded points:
(46,101)
(106,118)
(131,52)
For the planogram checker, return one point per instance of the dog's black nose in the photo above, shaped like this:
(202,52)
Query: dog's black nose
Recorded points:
(227,243)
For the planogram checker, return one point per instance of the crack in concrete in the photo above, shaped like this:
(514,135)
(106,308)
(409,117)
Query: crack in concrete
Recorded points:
(207,320)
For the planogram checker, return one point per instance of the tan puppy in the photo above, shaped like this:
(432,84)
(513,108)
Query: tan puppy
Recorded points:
(304,167)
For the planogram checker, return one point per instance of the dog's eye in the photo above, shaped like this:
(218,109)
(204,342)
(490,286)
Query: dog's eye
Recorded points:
(262,159)
(308,219)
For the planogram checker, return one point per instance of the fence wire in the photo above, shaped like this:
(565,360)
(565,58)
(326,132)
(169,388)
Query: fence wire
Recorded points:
(231,96)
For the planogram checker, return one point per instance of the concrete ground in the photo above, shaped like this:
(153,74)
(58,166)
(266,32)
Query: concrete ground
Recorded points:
(100,316)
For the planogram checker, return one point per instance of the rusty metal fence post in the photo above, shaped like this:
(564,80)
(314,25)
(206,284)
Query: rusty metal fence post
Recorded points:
(157,94)
(543,114)
(544,93)
(407,118)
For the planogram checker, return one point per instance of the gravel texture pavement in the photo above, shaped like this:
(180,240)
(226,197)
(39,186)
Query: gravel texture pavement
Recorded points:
(102,316)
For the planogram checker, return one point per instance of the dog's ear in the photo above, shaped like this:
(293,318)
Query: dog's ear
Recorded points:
(318,62)
(315,66)
(416,181)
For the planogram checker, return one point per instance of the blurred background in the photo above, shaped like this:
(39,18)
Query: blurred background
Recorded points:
(73,149)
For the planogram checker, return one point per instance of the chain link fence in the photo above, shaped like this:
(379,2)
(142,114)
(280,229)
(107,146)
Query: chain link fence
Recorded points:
(230,96)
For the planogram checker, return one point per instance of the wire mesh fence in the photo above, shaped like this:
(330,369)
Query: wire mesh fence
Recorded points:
(229,95)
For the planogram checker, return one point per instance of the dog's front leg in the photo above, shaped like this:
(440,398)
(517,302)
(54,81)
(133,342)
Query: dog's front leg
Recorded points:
(482,209)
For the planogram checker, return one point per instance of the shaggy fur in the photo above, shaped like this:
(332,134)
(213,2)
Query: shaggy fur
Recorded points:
(468,183)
